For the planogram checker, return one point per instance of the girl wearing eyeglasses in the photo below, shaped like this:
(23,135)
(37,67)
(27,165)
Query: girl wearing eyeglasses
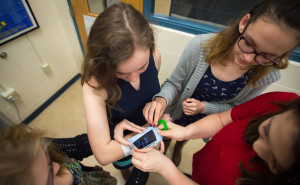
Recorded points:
(220,70)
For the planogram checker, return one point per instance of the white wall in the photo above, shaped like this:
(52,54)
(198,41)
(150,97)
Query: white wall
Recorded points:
(172,42)
(54,43)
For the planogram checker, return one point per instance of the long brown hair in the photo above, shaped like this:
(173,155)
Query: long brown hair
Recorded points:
(19,146)
(220,46)
(115,34)
(265,176)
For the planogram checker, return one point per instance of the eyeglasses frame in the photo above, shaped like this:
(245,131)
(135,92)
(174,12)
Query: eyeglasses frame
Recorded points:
(255,51)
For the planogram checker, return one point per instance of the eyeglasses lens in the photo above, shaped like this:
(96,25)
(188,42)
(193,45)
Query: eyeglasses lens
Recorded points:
(246,47)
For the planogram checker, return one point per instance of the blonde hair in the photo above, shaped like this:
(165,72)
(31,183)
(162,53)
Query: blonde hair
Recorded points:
(19,146)
(220,46)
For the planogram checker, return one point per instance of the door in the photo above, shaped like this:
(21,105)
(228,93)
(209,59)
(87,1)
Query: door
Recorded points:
(87,10)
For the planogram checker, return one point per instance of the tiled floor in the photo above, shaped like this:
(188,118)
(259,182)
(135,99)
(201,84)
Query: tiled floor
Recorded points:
(65,117)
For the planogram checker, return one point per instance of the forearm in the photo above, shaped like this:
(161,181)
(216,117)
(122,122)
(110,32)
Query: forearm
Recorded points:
(104,148)
(174,176)
(208,126)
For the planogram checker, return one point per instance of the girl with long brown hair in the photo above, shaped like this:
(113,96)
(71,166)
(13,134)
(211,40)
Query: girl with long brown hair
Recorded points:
(120,75)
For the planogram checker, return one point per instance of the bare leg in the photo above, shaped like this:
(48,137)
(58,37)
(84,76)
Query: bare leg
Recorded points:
(177,152)
(167,142)
(125,173)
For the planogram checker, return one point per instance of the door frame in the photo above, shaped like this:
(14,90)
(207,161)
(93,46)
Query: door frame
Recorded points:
(78,8)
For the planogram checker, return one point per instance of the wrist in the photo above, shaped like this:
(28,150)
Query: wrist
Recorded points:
(166,166)
(187,132)
(126,150)
(162,101)
(201,108)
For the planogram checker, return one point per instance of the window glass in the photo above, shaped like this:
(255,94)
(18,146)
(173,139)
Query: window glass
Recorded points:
(210,11)
(162,7)
(96,6)
(199,16)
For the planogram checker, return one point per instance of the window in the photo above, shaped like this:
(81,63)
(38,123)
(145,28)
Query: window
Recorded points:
(184,15)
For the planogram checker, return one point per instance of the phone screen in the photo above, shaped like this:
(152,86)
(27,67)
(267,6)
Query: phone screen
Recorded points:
(145,140)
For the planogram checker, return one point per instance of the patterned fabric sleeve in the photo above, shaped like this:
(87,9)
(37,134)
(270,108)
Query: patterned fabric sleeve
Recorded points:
(94,176)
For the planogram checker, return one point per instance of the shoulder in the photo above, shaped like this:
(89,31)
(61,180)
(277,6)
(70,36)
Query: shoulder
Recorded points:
(203,37)
(261,104)
(195,45)
(157,59)
(269,78)
(89,90)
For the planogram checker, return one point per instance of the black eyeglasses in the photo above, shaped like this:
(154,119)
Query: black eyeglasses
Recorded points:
(50,176)
(246,47)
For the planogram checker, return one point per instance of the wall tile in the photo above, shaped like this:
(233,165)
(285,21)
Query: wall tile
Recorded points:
(290,76)
(46,15)
(16,50)
(42,37)
(172,40)
(22,69)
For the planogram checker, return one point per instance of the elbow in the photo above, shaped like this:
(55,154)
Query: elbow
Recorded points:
(103,161)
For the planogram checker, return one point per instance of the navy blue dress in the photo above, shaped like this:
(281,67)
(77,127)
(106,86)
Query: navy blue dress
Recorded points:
(132,102)
(212,89)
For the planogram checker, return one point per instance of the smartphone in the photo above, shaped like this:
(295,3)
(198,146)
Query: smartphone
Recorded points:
(148,138)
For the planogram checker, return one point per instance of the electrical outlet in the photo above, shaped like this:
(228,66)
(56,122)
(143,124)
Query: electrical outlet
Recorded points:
(10,94)
(47,68)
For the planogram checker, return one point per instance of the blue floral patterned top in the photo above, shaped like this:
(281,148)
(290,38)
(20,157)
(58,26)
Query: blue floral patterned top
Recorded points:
(212,89)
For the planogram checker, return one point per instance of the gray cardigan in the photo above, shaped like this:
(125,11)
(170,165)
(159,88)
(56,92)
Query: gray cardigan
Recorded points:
(189,71)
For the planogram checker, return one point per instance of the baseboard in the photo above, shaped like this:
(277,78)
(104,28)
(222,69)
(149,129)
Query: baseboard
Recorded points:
(50,100)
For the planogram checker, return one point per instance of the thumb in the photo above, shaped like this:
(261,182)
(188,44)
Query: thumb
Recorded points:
(164,133)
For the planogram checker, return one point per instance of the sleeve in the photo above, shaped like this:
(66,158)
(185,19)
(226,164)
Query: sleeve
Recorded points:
(77,147)
(174,85)
(244,96)
(216,107)
(261,105)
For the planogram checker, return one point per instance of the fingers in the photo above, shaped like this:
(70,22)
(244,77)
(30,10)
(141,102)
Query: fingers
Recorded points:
(162,147)
(165,133)
(158,113)
(160,127)
(138,164)
(142,150)
(166,117)
(121,139)
(140,160)
(126,125)
(189,106)
(146,112)
(133,127)
(152,112)
(139,154)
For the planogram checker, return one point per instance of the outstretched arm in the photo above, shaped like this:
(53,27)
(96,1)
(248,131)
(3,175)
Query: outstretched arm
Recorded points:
(204,128)
(104,148)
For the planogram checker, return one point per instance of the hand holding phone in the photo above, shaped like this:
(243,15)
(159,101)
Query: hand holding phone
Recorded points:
(148,138)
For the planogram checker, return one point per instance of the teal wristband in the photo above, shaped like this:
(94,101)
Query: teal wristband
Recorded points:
(164,123)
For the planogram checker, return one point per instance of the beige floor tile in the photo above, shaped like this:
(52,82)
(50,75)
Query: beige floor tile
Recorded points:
(65,117)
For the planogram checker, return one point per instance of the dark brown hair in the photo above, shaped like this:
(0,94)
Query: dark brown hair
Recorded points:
(264,176)
(284,12)
(115,34)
